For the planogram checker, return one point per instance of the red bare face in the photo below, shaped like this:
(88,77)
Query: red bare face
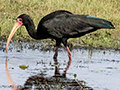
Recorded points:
(20,21)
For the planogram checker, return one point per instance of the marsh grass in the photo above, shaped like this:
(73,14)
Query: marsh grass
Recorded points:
(107,9)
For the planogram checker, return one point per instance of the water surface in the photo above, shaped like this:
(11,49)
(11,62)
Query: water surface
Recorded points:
(99,69)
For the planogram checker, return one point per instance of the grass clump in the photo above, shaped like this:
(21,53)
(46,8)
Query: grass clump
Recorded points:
(107,9)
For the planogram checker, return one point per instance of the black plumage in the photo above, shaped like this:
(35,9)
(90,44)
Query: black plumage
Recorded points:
(63,24)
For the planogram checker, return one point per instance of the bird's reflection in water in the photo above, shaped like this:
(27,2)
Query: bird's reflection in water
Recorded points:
(56,82)
(12,84)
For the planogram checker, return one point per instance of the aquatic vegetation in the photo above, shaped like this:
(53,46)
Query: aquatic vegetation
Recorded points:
(23,67)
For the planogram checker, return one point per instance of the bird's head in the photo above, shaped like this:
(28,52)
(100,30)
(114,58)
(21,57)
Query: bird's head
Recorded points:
(21,20)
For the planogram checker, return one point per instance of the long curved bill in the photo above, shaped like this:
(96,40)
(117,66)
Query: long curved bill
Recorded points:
(16,26)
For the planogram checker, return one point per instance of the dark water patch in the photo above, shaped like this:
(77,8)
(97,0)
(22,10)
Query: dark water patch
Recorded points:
(52,83)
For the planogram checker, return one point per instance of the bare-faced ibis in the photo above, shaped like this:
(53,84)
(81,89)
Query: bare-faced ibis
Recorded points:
(60,25)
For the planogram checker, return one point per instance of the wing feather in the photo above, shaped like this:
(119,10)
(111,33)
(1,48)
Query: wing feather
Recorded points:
(67,25)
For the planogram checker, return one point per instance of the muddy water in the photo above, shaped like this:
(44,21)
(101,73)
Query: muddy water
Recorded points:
(98,69)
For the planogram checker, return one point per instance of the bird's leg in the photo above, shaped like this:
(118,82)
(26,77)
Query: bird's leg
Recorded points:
(56,62)
(58,41)
(64,41)
(56,54)
(69,53)
(70,59)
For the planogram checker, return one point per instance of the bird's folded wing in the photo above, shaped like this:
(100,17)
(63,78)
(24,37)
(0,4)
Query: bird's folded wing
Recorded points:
(72,25)
(67,25)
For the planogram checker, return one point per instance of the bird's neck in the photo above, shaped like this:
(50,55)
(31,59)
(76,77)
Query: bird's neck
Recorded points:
(33,32)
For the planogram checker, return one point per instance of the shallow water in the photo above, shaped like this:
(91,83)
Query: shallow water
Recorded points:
(99,69)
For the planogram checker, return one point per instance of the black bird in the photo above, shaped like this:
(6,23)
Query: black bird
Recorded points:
(60,25)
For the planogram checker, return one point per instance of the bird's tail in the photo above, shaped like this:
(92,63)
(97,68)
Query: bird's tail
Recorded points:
(99,22)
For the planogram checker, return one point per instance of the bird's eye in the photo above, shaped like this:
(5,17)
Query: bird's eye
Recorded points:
(19,19)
